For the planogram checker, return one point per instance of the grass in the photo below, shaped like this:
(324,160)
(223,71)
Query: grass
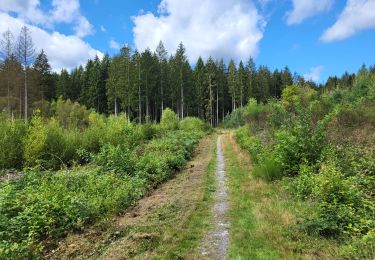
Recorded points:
(263,216)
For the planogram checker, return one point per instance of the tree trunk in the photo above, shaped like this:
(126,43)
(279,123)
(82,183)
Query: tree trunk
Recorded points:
(182,95)
(116,112)
(217,106)
(25,92)
(139,93)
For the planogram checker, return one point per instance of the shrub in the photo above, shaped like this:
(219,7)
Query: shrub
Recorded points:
(250,143)
(169,120)
(338,202)
(268,168)
(11,143)
(193,124)
(234,119)
(119,159)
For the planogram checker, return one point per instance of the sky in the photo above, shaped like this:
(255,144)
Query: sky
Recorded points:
(316,39)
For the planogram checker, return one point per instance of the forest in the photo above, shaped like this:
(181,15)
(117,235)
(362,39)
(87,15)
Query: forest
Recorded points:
(81,146)
(139,84)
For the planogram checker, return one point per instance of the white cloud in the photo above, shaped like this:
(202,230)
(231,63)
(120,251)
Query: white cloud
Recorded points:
(303,9)
(314,73)
(62,11)
(63,51)
(114,45)
(221,29)
(357,15)
(83,27)
(102,28)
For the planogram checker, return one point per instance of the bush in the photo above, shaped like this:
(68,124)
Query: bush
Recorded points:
(193,124)
(250,143)
(339,202)
(11,143)
(45,206)
(268,168)
(118,159)
(234,119)
(169,120)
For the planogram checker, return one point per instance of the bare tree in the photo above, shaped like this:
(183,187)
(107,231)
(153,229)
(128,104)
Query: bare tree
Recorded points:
(6,44)
(25,52)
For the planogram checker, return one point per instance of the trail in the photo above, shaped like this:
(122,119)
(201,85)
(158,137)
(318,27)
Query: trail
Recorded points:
(156,227)
(215,244)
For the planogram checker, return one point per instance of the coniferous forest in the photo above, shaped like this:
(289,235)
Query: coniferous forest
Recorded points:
(150,155)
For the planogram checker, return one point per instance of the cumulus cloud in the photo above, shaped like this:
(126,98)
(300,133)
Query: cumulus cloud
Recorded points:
(62,11)
(357,15)
(221,29)
(63,51)
(303,9)
(314,73)
(114,45)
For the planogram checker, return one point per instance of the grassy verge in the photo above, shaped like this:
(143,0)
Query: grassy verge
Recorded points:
(263,217)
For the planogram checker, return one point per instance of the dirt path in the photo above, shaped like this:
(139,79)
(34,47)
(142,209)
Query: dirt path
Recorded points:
(215,244)
(167,224)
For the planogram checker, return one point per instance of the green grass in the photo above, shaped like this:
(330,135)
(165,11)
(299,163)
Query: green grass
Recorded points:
(187,239)
(264,222)
(244,242)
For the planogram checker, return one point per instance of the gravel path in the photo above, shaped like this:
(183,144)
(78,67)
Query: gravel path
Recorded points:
(216,242)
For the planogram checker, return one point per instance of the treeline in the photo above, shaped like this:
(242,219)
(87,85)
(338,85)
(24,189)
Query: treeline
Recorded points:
(140,84)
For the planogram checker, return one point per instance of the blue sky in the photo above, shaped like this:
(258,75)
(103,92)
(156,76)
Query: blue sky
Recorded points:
(313,38)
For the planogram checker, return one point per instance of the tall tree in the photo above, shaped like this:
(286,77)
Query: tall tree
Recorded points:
(211,85)
(162,57)
(251,70)
(199,85)
(180,64)
(113,84)
(137,65)
(63,85)
(25,53)
(233,82)
(6,50)
(43,74)
(242,81)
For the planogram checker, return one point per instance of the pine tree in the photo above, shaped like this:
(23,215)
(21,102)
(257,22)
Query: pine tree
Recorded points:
(233,82)
(180,64)
(242,82)
(199,85)
(6,50)
(43,74)
(222,90)
(211,86)
(251,70)
(63,85)
(113,84)
(162,57)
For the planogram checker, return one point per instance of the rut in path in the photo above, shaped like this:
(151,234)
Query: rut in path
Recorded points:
(215,243)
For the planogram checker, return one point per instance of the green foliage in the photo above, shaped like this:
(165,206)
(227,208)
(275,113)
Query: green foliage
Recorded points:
(255,112)
(250,143)
(234,119)
(118,159)
(268,168)
(70,115)
(40,207)
(323,146)
(11,148)
(169,120)
(193,124)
